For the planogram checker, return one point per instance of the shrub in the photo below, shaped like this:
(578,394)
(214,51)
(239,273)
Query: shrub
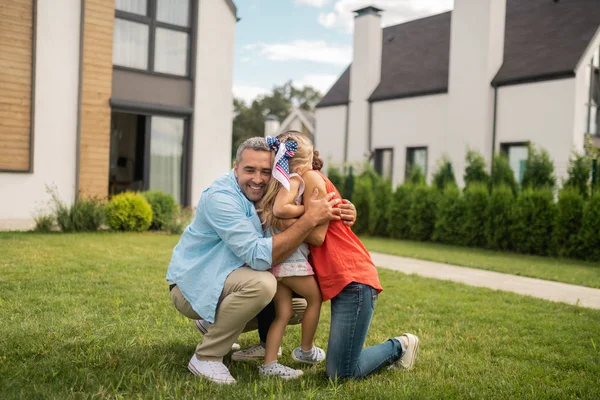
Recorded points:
(499,218)
(475,170)
(348,188)
(164,206)
(539,170)
(44,223)
(579,172)
(383,202)
(416,176)
(569,216)
(589,235)
(444,175)
(128,212)
(364,201)
(84,215)
(421,217)
(534,216)
(398,226)
(336,177)
(448,226)
(502,173)
(476,202)
(180,221)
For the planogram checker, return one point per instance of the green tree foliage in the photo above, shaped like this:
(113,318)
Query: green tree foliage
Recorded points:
(128,212)
(450,216)
(539,170)
(502,173)
(349,184)
(569,217)
(589,234)
(475,170)
(383,203)
(534,216)
(421,215)
(336,177)
(416,177)
(398,224)
(364,201)
(476,204)
(164,208)
(444,175)
(499,219)
(579,173)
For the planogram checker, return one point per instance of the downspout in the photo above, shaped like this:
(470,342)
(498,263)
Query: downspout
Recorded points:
(370,132)
(494,123)
(79,94)
(346,135)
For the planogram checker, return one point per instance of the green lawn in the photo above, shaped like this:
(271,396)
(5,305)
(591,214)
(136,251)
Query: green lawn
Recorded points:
(89,316)
(553,269)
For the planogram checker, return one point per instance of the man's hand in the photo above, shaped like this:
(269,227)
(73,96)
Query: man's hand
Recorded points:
(322,210)
(347,212)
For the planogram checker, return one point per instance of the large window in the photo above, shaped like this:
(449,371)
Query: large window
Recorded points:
(384,160)
(166,155)
(153,35)
(415,156)
(517,157)
(593,103)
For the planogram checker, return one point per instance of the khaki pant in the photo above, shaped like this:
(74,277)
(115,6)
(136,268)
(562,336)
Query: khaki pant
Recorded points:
(245,294)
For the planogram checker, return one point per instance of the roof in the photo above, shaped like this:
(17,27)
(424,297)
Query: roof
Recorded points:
(543,40)
(306,117)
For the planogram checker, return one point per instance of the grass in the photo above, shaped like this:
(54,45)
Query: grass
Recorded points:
(553,269)
(89,316)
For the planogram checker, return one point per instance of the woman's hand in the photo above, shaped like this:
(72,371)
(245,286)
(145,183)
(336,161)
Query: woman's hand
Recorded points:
(347,212)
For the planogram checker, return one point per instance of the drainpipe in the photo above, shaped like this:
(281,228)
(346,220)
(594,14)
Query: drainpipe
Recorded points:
(494,123)
(79,94)
(346,136)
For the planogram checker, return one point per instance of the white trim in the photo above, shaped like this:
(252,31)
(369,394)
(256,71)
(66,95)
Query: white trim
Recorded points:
(591,47)
(296,112)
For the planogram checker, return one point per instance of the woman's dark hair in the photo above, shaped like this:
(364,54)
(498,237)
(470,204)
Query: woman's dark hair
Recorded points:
(317,162)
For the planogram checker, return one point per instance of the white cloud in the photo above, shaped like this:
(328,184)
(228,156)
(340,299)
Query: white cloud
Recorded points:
(304,50)
(321,82)
(246,59)
(395,11)
(248,92)
(313,3)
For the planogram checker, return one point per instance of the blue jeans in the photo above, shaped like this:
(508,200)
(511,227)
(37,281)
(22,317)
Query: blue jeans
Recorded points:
(351,312)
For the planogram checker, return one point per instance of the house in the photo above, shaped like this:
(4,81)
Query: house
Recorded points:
(102,96)
(491,75)
(298,120)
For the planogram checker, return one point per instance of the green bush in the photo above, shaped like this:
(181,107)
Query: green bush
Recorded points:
(444,175)
(44,223)
(364,201)
(180,221)
(569,216)
(451,211)
(534,216)
(128,212)
(499,220)
(502,173)
(589,234)
(398,226)
(348,188)
(475,170)
(164,206)
(539,170)
(421,217)
(476,204)
(383,202)
(416,176)
(579,173)
(336,177)
(84,215)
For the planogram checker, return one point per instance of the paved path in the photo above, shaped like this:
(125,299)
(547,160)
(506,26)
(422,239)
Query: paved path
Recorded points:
(554,291)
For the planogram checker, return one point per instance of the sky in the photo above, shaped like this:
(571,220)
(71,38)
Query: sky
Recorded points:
(306,41)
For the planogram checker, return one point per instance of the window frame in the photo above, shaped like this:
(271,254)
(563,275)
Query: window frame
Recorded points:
(150,19)
(410,156)
(505,148)
(378,161)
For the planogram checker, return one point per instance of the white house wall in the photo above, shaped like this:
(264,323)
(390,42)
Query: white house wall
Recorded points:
(582,90)
(214,97)
(330,133)
(542,113)
(55,118)
(411,122)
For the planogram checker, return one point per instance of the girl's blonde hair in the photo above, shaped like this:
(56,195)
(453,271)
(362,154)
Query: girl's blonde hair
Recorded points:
(302,159)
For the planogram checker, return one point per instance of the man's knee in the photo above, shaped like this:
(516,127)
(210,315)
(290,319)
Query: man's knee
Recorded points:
(266,285)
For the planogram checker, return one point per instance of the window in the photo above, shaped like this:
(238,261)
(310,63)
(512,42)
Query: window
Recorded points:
(415,156)
(384,163)
(517,157)
(153,35)
(166,155)
(592,116)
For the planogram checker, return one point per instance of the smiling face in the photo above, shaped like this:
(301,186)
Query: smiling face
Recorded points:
(253,173)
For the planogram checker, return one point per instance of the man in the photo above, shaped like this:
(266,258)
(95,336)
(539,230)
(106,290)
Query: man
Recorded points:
(218,271)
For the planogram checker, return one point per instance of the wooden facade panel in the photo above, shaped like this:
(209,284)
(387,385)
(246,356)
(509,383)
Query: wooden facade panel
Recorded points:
(94,154)
(16,69)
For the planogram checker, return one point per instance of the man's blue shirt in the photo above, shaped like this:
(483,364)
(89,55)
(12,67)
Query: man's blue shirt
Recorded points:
(225,234)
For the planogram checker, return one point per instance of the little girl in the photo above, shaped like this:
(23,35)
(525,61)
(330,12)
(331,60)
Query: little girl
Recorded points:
(283,201)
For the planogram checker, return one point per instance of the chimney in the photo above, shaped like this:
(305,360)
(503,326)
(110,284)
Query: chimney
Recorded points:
(365,75)
(271,125)
(476,55)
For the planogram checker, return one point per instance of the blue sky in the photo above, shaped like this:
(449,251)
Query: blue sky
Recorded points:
(307,41)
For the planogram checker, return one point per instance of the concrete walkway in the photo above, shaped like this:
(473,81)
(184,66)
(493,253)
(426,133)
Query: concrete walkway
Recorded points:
(554,291)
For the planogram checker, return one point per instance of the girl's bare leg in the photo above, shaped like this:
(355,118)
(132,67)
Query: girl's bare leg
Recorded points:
(283,313)
(305,286)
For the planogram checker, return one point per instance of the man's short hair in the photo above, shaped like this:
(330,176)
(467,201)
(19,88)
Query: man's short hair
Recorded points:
(254,143)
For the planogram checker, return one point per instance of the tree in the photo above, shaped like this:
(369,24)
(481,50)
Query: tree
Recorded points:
(444,175)
(475,170)
(502,174)
(580,168)
(539,170)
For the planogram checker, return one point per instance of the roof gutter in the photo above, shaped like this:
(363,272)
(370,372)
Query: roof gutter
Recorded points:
(494,125)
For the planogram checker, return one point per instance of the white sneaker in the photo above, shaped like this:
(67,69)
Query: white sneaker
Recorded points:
(276,369)
(255,352)
(214,371)
(202,325)
(408,359)
(315,356)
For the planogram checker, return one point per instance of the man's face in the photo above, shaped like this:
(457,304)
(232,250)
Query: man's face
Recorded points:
(253,173)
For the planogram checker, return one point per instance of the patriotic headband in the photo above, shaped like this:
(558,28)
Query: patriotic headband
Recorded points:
(281,168)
